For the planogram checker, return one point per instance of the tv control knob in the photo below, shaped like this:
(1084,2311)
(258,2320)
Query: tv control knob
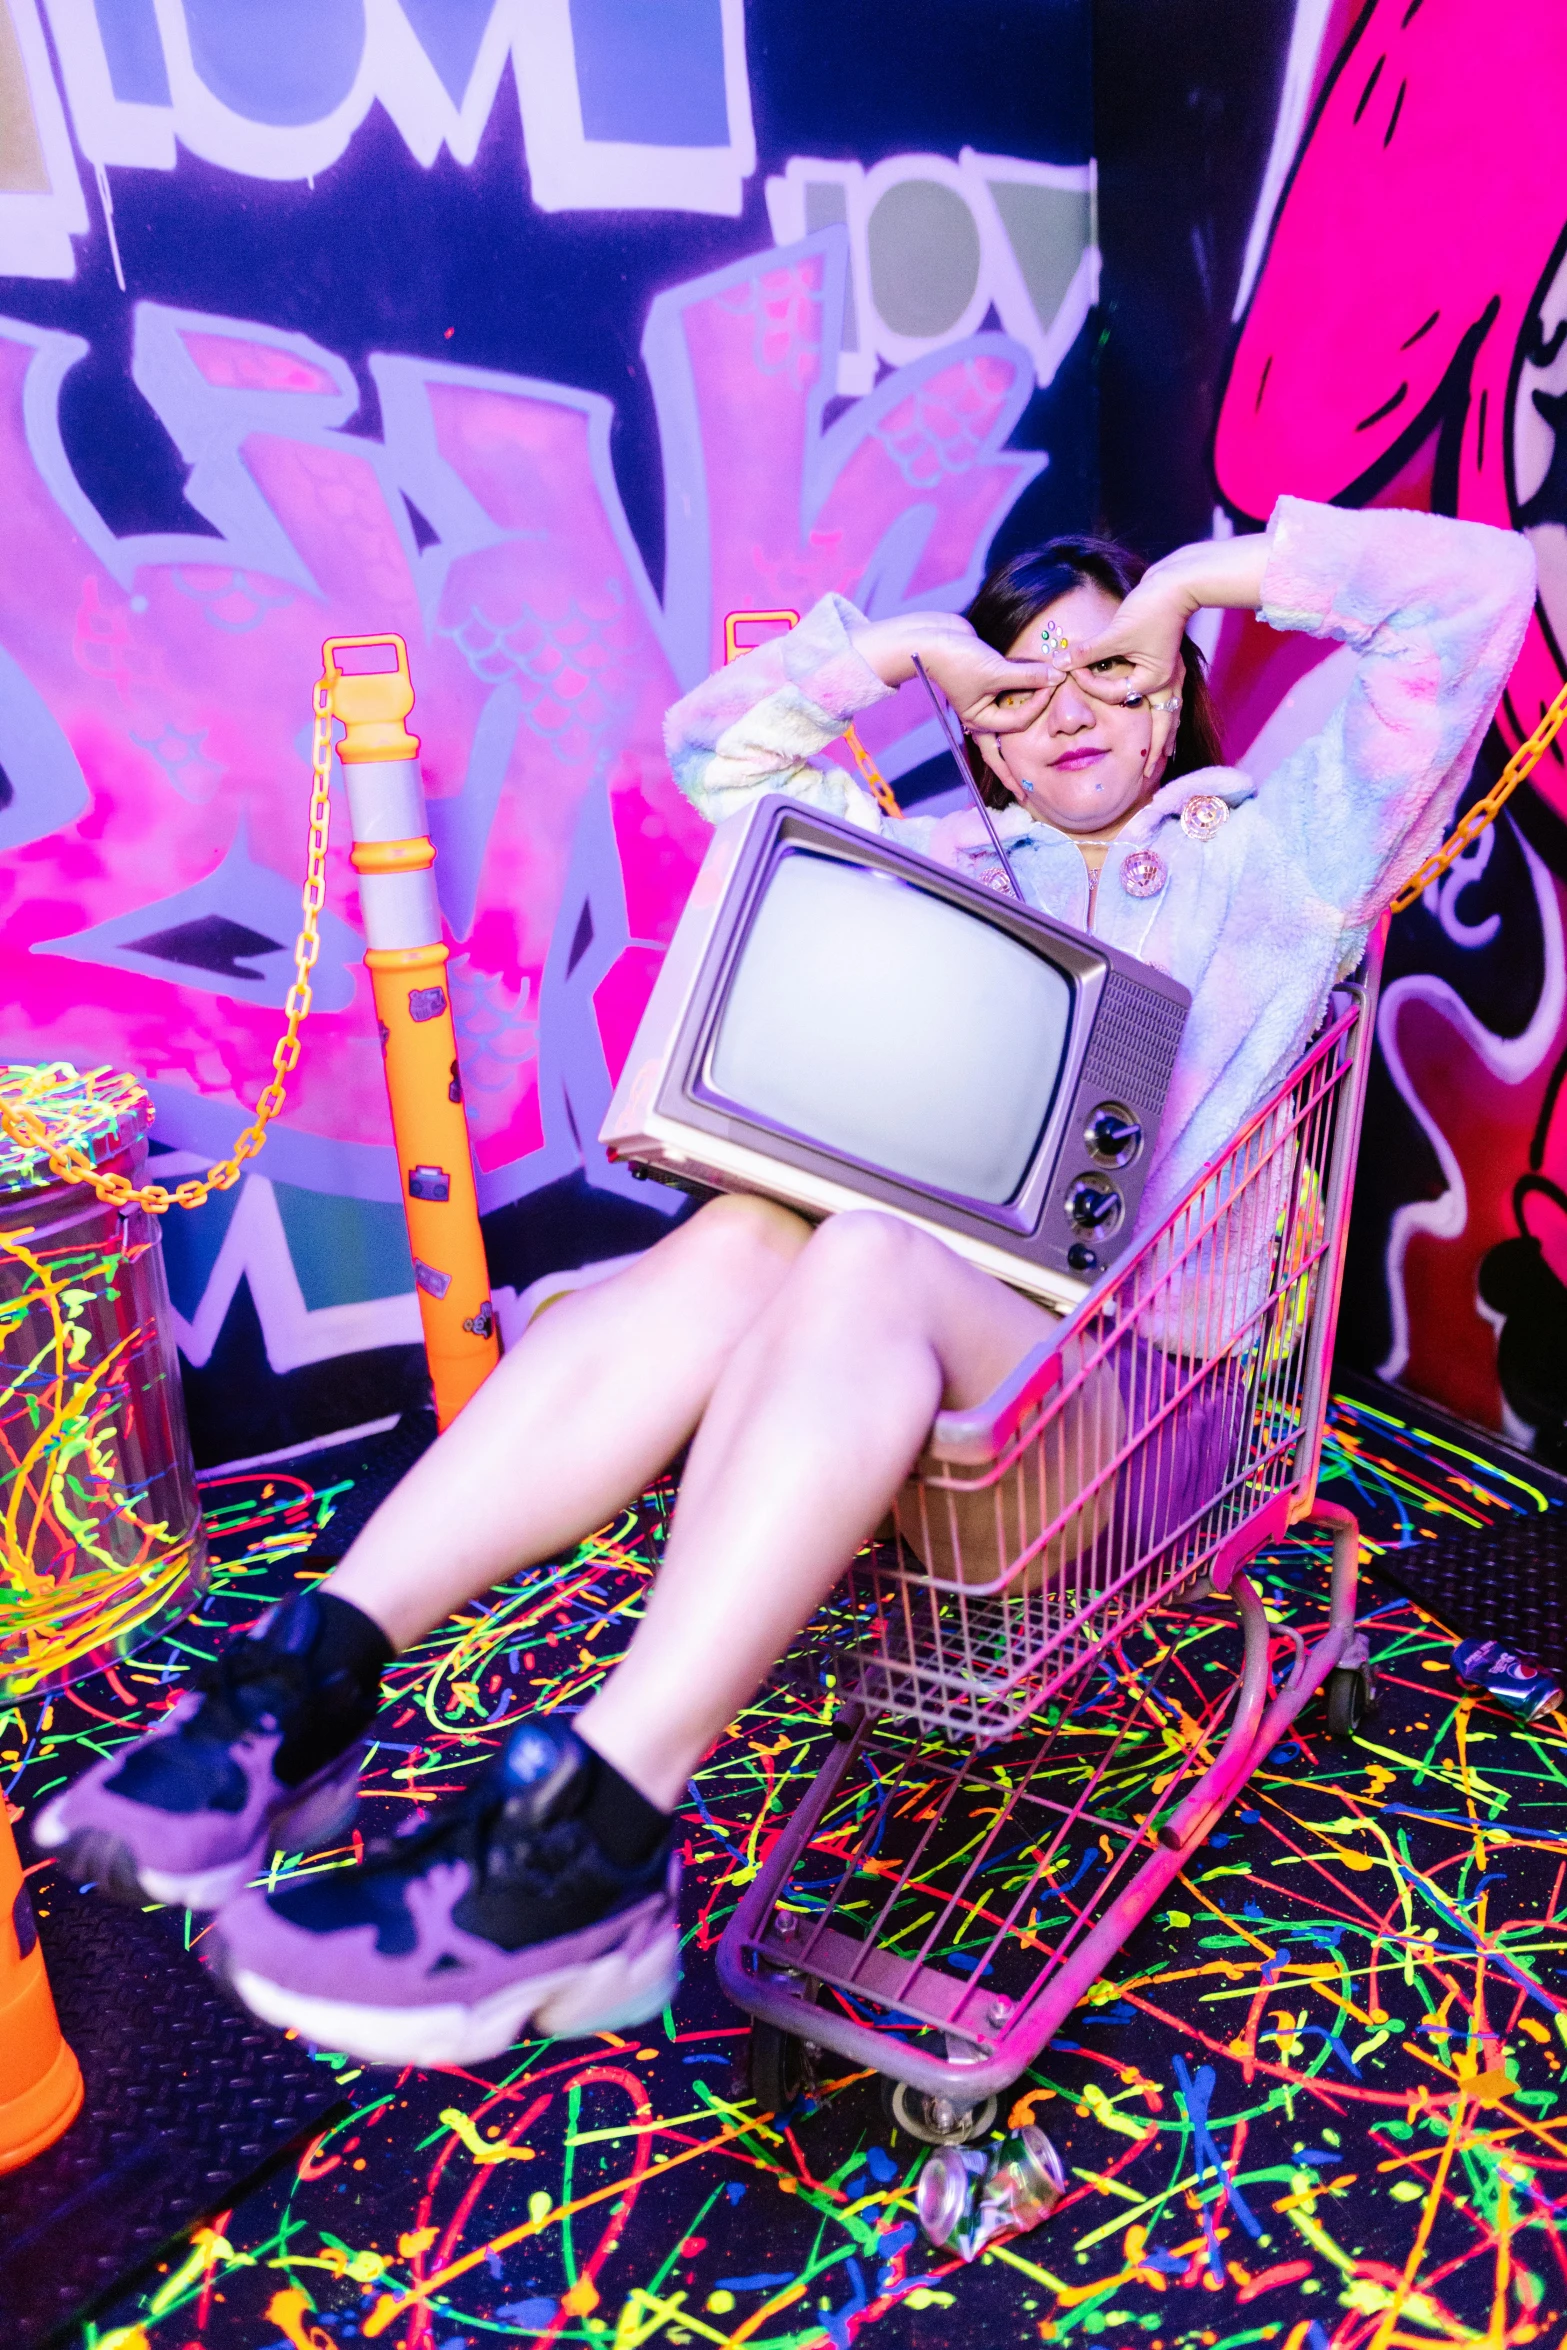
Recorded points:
(1095,1206)
(1112,1135)
(1082,1258)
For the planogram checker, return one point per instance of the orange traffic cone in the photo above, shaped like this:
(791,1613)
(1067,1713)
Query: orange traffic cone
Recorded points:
(40,2080)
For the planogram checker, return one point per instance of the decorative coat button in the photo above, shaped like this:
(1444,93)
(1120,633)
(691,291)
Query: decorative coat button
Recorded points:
(1142,873)
(983,867)
(1203,814)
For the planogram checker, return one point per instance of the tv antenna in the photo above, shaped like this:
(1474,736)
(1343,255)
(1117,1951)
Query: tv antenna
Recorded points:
(953,733)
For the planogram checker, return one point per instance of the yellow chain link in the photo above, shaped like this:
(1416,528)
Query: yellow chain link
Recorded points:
(67,1163)
(875,782)
(1522,763)
(1475,820)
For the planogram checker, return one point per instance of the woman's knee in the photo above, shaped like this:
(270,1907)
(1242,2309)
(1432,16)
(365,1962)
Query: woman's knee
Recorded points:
(863,1267)
(861,1253)
(744,1245)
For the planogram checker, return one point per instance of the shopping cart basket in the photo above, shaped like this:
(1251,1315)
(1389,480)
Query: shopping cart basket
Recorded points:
(1015,1775)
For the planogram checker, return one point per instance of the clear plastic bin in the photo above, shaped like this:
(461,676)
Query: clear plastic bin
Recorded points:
(101,1538)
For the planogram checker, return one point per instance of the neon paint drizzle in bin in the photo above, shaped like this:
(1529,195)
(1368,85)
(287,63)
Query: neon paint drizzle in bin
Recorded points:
(100,1533)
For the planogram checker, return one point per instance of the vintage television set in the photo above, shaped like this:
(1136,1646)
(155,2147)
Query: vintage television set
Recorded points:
(841,1022)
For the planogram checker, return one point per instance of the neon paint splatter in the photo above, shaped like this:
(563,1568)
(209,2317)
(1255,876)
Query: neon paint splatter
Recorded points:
(1317,2103)
(99,1533)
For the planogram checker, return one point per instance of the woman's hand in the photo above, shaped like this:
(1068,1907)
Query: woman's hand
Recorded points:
(973,678)
(1136,661)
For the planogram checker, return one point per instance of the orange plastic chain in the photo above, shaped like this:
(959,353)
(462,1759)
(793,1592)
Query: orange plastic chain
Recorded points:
(1522,763)
(875,782)
(1475,820)
(68,1164)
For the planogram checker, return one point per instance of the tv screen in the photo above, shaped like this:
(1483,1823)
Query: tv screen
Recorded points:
(841,1022)
(891,1025)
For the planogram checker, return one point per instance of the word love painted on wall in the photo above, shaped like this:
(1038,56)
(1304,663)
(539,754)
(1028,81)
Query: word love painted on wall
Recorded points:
(626,105)
(623,104)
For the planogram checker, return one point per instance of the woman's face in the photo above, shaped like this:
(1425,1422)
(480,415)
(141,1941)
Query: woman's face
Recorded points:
(1080,765)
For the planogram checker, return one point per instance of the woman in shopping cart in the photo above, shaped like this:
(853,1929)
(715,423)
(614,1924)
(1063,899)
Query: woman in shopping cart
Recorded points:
(804,1367)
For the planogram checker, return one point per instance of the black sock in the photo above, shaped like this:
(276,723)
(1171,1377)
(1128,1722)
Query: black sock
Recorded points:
(339,1639)
(626,1827)
(345,1653)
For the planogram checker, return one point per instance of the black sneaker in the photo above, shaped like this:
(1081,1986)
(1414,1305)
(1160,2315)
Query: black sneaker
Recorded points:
(500,1914)
(261,1751)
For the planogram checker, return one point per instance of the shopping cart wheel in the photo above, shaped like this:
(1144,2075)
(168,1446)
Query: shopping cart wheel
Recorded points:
(935,2121)
(1349,1699)
(778,2067)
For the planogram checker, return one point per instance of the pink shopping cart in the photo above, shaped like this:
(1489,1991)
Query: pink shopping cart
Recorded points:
(1014,1778)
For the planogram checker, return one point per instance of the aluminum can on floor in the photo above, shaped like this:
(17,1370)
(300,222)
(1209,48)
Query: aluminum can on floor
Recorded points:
(966,2198)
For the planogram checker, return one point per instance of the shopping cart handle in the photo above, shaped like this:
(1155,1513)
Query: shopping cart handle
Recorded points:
(972,1438)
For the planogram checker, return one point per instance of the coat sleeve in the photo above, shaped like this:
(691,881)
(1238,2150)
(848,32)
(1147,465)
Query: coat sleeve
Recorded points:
(1437,610)
(754,727)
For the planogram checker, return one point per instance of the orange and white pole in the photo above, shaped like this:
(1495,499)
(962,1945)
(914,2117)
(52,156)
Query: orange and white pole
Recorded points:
(368,687)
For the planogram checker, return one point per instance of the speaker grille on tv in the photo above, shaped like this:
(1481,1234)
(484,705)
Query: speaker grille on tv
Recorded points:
(1135,1038)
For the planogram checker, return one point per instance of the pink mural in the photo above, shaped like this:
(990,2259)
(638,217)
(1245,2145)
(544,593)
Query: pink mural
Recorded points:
(155,693)
(1406,343)
(1404,340)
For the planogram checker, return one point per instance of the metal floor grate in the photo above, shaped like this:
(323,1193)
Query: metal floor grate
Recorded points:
(187,2099)
(1501,1582)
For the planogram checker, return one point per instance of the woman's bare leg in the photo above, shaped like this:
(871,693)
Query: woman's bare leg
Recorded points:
(816,1417)
(809,1366)
(576,1420)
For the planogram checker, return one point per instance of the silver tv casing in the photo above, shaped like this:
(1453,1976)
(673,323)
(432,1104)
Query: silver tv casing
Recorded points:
(1125,1027)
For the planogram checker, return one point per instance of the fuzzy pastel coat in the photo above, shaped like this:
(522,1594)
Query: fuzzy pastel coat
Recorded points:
(1260,918)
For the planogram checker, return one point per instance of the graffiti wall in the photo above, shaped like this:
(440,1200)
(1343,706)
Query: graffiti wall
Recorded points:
(546,332)
(551,331)
(1364,289)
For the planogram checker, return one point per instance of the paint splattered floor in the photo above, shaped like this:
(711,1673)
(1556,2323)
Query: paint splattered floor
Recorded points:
(1317,2104)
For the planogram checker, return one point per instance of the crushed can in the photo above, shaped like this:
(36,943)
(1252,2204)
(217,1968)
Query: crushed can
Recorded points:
(966,2197)
(1520,1683)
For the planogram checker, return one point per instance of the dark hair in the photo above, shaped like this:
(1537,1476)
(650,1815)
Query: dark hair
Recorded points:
(1018,591)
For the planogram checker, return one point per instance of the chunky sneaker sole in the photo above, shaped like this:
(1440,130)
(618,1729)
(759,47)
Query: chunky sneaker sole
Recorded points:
(97,1853)
(260,1750)
(499,1916)
(612,1993)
